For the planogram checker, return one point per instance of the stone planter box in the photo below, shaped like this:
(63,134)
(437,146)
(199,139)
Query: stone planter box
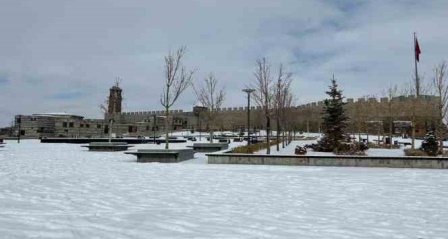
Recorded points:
(162,155)
(170,140)
(107,147)
(96,140)
(210,147)
(333,161)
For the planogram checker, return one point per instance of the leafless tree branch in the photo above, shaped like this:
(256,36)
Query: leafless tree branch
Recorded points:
(177,80)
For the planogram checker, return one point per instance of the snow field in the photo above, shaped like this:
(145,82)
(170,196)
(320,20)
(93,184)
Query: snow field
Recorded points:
(65,191)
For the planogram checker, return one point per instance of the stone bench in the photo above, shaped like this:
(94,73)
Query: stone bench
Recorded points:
(405,143)
(210,147)
(170,140)
(107,146)
(162,155)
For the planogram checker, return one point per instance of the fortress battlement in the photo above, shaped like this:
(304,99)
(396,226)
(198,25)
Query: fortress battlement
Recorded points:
(154,112)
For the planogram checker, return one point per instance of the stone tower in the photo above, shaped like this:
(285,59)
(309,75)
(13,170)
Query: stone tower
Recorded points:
(115,99)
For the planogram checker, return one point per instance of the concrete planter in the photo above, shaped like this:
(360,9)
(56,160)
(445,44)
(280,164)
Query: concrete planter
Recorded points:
(210,147)
(96,140)
(107,147)
(334,161)
(162,155)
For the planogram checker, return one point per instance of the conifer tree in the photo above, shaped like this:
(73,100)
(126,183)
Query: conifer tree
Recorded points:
(334,119)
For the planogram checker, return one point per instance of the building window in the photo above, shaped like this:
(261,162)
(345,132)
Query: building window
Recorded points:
(98,126)
(81,125)
(87,125)
(64,124)
(147,127)
(71,124)
(132,129)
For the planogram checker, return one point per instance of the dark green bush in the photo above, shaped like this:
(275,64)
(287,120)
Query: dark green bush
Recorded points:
(430,144)
(351,148)
(415,152)
(249,149)
(383,146)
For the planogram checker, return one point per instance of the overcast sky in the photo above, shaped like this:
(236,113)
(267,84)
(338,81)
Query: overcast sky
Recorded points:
(63,56)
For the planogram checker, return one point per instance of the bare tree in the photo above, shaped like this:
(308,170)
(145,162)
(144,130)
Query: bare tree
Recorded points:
(177,80)
(212,98)
(264,95)
(440,85)
(391,93)
(416,102)
(282,99)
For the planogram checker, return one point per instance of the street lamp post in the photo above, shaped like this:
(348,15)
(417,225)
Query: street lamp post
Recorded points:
(154,129)
(248,91)
(19,122)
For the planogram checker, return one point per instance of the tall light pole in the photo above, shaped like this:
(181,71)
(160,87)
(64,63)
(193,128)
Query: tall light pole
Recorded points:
(19,122)
(248,91)
(154,129)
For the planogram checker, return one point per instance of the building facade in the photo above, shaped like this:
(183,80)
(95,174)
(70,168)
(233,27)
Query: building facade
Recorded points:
(306,117)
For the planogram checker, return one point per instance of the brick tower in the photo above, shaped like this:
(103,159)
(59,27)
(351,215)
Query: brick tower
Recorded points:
(115,99)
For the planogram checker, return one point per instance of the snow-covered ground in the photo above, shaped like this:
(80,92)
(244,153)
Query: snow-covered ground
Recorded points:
(65,191)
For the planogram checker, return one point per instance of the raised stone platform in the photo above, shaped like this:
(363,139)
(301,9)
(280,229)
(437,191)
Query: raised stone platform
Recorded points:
(108,146)
(171,140)
(162,155)
(91,140)
(338,161)
(210,147)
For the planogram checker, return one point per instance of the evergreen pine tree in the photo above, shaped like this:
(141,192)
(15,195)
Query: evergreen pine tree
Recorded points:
(334,119)
(430,144)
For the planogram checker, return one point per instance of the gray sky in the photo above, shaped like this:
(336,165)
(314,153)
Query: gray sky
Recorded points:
(62,56)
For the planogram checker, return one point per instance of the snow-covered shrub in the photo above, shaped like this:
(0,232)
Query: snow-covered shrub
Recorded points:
(300,150)
(351,148)
(430,144)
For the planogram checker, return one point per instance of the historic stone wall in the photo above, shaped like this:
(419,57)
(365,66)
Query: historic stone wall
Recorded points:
(301,118)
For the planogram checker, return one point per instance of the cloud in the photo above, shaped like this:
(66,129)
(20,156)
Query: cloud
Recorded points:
(4,79)
(67,95)
(52,48)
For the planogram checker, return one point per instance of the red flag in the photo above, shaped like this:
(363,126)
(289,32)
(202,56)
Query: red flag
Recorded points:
(417,50)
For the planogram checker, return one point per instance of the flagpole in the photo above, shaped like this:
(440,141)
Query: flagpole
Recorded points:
(417,80)
(417,92)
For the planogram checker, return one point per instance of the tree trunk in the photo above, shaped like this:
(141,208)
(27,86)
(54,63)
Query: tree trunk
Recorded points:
(283,139)
(167,113)
(211,134)
(278,134)
(110,129)
(391,124)
(441,130)
(268,131)
(413,131)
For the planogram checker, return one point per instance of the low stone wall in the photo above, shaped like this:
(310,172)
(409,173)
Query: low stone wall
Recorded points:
(209,147)
(343,161)
(106,146)
(162,155)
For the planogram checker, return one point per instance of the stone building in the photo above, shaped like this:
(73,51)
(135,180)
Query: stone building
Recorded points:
(58,125)
(301,118)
